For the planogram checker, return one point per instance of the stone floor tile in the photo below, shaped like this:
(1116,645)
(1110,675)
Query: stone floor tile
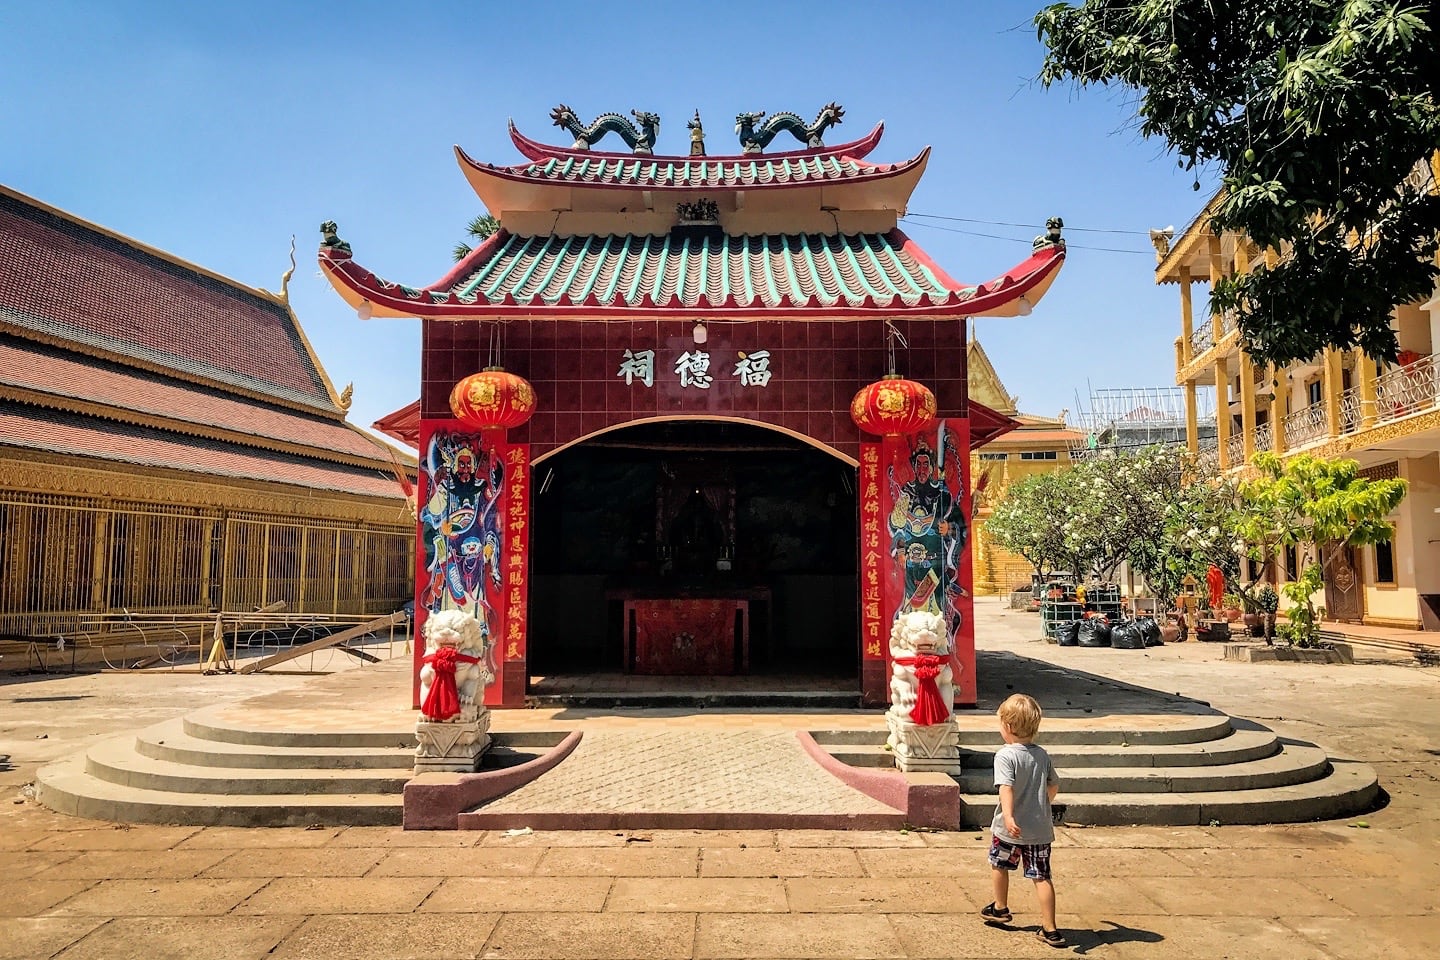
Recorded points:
(304,862)
(23,864)
(133,865)
(389,937)
(1186,938)
(729,935)
(957,840)
(850,838)
(184,938)
(25,938)
(1137,862)
(244,838)
(118,837)
(937,936)
(1378,896)
(697,895)
(467,862)
(924,862)
(1090,895)
(518,894)
(708,838)
(159,898)
(563,838)
(397,837)
(632,861)
(317,895)
(1369,937)
(38,896)
(618,936)
(883,895)
(785,862)
(1267,862)
(1166,838)
(1233,897)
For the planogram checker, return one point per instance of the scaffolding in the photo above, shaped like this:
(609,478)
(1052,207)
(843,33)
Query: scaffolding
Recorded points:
(1125,419)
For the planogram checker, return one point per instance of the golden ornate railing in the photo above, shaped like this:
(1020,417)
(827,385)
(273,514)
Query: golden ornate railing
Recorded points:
(65,560)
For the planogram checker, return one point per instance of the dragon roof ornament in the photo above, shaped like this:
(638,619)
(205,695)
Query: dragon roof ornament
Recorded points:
(755,141)
(640,140)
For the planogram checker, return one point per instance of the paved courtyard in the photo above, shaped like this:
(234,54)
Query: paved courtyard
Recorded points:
(1363,887)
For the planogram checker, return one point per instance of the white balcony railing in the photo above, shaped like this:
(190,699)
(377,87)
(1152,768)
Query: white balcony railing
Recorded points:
(1235,450)
(1202,338)
(1305,425)
(1263,438)
(1413,388)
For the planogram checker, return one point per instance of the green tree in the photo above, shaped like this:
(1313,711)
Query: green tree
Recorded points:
(1028,521)
(1319,507)
(1321,118)
(477,230)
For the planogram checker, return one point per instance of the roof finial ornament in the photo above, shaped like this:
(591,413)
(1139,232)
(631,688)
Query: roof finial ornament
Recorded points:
(1051,237)
(754,141)
(697,136)
(346,395)
(640,140)
(1160,239)
(285,277)
(330,238)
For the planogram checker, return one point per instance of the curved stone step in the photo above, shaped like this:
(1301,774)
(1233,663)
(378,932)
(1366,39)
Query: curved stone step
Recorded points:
(1066,728)
(66,787)
(169,741)
(202,726)
(1296,763)
(1348,788)
(117,762)
(1240,746)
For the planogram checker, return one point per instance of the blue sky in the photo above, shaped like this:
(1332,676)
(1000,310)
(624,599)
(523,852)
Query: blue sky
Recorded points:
(216,131)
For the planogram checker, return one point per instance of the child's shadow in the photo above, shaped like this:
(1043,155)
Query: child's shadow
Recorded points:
(1086,940)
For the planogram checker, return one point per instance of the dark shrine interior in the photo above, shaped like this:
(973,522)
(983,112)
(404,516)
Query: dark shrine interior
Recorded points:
(694,510)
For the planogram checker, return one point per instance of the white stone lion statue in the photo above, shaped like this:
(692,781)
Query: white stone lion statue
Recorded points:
(918,642)
(455,670)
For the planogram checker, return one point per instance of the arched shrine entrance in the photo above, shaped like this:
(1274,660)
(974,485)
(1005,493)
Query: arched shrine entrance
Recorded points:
(695,547)
(671,327)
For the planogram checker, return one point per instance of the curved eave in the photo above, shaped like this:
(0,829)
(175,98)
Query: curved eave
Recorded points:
(1000,297)
(534,150)
(508,188)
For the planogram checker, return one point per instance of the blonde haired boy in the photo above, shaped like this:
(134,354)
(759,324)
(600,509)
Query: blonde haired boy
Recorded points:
(1023,827)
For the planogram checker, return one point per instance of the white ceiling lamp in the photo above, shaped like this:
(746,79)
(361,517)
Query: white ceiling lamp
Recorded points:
(700,332)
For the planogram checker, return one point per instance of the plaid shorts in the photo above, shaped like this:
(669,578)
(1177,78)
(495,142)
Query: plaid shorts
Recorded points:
(1008,856)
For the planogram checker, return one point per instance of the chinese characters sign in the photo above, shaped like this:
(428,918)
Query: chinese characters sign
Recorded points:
(517,542)
(694,370)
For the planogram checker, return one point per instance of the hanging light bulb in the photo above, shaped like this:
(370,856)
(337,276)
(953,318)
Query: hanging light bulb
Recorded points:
(365,310)
(700,332)
(1022,306)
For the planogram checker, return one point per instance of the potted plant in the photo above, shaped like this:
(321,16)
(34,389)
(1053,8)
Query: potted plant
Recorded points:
(1230,607)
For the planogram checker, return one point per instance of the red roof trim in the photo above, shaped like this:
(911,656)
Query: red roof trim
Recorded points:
(987,425)
(535,150)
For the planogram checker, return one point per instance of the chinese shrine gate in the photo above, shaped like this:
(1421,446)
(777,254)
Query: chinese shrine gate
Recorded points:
(690,493)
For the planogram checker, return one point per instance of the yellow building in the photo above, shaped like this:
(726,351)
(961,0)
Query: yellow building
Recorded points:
(1336,404)
(1038,445)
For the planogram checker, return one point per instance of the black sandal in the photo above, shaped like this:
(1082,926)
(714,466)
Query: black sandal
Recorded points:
(993,914)
(1053,937)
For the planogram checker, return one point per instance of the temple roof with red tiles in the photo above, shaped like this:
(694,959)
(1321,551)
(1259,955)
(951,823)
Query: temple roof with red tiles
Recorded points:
(77,435)
(63,278)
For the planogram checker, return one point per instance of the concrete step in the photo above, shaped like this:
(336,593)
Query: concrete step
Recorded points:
(169,741)
(1348,788)
(118,762)
(1293,764)
(65,786)
(1068,728)
(1240,746)
(203,726)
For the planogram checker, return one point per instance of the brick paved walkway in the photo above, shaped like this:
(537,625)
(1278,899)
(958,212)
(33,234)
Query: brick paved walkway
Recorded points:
(702,771)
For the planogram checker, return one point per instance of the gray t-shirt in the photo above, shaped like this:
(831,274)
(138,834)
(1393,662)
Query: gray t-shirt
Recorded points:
(1027,768)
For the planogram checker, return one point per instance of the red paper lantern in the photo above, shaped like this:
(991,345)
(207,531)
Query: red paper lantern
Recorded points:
(893,407)
(492,400)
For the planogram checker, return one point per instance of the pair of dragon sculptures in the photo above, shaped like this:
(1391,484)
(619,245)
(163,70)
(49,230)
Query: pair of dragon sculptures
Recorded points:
(753,139)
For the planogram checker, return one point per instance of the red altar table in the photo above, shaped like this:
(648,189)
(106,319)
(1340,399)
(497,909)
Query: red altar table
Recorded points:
(687,636)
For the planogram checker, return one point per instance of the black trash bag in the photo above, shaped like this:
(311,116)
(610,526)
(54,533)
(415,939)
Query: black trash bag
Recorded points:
(1151,629)
(1094,632)
(1066,635)
(1127,635)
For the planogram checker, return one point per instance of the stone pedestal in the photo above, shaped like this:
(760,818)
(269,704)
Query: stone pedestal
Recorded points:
(452,747)
(929,748)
